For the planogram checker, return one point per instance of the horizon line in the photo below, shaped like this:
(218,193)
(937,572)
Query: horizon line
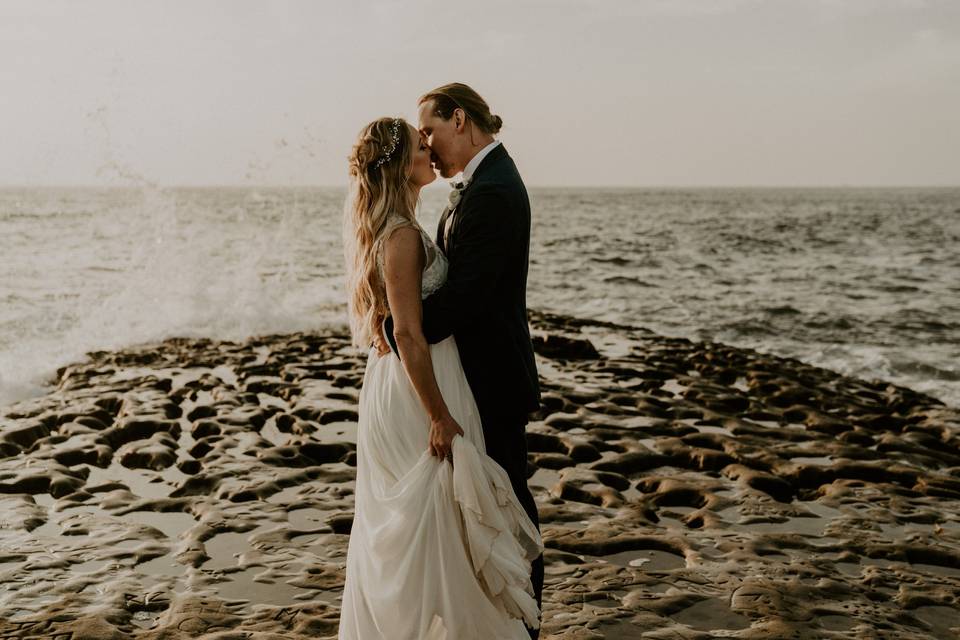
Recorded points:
(530,186)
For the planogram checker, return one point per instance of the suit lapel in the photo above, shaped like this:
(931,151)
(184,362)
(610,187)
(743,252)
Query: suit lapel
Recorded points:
(491,158)
(456,217)
(443,223)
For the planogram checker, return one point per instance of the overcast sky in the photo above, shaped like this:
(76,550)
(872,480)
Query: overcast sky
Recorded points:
(592,92)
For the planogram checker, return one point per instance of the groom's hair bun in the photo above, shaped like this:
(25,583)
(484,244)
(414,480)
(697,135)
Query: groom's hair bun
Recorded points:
(456,95)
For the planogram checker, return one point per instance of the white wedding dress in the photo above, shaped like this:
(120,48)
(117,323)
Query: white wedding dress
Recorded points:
(437,551)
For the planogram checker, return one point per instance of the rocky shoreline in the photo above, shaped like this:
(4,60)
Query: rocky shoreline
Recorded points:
(203,489)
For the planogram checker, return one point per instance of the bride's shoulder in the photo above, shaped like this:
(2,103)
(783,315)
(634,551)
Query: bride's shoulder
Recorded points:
(396,221)
(401,235)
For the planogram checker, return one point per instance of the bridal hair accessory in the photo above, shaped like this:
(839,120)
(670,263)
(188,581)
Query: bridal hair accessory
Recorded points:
(394,140)
(458,188)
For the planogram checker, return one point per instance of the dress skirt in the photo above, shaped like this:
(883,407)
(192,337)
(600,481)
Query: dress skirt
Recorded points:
(438,551)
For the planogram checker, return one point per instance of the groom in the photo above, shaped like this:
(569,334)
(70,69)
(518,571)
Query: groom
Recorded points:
(485,235)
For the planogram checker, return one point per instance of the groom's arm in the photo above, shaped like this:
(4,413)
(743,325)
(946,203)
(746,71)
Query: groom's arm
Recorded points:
(486,232)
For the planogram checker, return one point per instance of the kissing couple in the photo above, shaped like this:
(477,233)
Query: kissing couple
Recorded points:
(445,542)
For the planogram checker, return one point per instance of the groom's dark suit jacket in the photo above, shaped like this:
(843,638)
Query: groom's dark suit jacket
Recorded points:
(483,302)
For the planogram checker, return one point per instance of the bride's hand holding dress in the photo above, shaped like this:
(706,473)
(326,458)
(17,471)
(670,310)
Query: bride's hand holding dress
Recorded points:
(404,259)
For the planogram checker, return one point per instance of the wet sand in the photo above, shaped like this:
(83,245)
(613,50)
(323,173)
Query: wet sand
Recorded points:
(204,489)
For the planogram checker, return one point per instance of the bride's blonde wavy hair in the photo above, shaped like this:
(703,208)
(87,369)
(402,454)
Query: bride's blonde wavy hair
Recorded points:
(378,189)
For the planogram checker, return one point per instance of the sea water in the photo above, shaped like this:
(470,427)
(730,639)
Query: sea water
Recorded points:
(862,281)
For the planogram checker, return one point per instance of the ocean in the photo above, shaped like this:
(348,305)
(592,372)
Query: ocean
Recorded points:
(861,281)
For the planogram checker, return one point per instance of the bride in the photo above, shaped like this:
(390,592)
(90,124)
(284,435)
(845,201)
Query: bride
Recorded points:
(440,547)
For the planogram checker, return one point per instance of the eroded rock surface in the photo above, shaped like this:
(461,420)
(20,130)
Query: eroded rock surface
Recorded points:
(204,489)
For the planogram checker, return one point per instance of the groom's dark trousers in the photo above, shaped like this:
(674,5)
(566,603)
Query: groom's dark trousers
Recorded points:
(483,305)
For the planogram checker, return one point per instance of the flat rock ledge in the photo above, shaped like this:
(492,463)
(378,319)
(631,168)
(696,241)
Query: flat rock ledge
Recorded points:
(195,488)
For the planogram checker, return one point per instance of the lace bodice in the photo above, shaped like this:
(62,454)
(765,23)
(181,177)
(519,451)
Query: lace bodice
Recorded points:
(435,268)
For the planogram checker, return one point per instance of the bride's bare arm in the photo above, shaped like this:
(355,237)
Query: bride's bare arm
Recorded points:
(403,265)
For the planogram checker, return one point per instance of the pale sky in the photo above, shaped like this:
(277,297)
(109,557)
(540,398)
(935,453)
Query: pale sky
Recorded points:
(592,92)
